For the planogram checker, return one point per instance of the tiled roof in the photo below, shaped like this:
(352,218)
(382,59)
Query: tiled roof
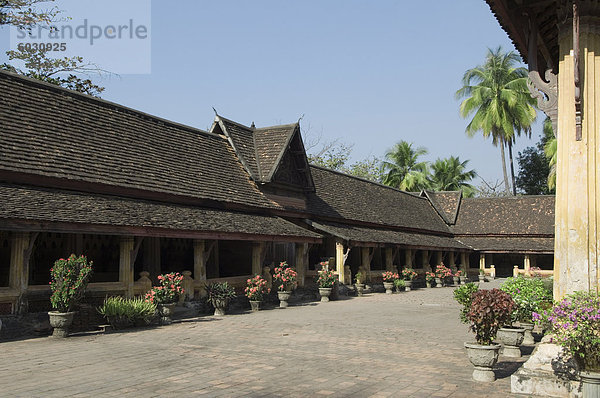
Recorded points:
(49,131)
(358,235)
(446,203)
(509,244)
(521,215)
(270,145)
(342,196)
(242,139)
(55,206)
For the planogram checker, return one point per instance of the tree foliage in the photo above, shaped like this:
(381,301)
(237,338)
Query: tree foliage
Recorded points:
(496,96)
(403,169)
(451,175)
(534,166)
(24,14)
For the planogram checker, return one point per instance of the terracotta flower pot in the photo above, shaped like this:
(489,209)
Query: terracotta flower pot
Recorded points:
(483,357)
(388,287)
(61,322)
(325,292)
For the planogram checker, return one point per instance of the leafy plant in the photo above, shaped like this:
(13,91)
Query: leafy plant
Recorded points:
(256,288)
(169,290)
(442,272)
(389,276)
(528,294)
(121,312)
(575,322)
(285,277)
(490,310)
(359,277)
(429,277)
(220,291)
(481,272)
(68,280)
(463,295)
(326,278)
(399,283)
(408,274)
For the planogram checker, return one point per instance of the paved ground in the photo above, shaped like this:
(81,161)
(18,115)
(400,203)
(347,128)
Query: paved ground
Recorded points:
(408,344)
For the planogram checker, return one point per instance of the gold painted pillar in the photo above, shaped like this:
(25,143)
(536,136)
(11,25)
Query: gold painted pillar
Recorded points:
(301,264)
(389,259)
(482,261)
(576,253)
(200,267)
(527,264)
(125,265)
(339,261)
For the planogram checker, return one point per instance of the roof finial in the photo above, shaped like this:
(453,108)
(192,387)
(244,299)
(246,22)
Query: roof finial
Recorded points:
(253,126)
(216,113)
(300,118)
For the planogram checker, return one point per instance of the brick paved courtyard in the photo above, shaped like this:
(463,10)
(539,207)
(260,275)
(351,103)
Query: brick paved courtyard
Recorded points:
(407,344)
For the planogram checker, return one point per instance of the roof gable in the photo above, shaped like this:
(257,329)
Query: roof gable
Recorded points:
(446,203)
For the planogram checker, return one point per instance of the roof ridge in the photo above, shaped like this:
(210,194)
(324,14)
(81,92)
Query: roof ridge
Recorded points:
(236,123)
(103,102)
(276,126)
(512,197)
(412,194)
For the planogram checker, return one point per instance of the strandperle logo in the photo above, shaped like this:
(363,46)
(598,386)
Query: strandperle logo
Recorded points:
(86,31)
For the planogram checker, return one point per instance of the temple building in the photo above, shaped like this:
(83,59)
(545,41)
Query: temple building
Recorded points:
(140,196)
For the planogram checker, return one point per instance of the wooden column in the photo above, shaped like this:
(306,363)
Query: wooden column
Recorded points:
(302,262)
(451,260)
(339,261)
(464,262)
(200,259)
(19,269)
(408,258)
(152,257)
(577,210)
(126,246)
(439,257)
(258,249)
(365,262)
(389,259)
(425,260)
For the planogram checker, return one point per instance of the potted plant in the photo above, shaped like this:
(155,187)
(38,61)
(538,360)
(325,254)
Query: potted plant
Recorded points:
(256,288)
(326,282)
(529,295)
(408,274)
(166,295)
(219,294)
(456,278)
(489,310)
(122,313)
(462,277)
(481,275)
(388,281)
(575,325)
(399,284)
(429,278)
(285,279)
(441,273)
(463,295)
(68,280)
(360,286)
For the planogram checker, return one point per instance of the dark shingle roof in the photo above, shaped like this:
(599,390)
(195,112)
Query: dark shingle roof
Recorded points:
(357,235)
(271,142)
(56,206)
(342,196)
(76,137)
(446,203)
(509,244)
(242,140)
(521,215)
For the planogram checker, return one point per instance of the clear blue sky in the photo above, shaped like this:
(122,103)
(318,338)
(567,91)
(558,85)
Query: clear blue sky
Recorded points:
(368,72)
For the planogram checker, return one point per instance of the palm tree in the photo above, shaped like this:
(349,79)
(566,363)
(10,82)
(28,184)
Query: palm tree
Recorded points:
(452,175)
(403,170)
(496,94)
(550,150)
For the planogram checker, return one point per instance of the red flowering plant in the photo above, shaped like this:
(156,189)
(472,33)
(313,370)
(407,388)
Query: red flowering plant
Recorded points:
(408,274)
(489,311)
(256,287)
(442,272)
(326,278)
(168,291)
(458,274)
(285,277)
(429,276)
(68,280)
(389,276)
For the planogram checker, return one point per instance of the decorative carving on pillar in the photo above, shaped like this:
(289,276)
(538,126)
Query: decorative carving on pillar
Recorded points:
(545,91)
(576,70)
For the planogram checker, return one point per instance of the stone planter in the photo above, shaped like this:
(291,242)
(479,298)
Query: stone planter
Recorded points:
(220,306)
(165,313)
(528,339)
(284,296)
(481,278)
(407,285)
(590,384)
(456,280)
(438,282)
(427,284)
(61,322)
(360,288)
(254,305)
(483,357)
(511,339)
(388,287)
(463,280)
(325,292)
